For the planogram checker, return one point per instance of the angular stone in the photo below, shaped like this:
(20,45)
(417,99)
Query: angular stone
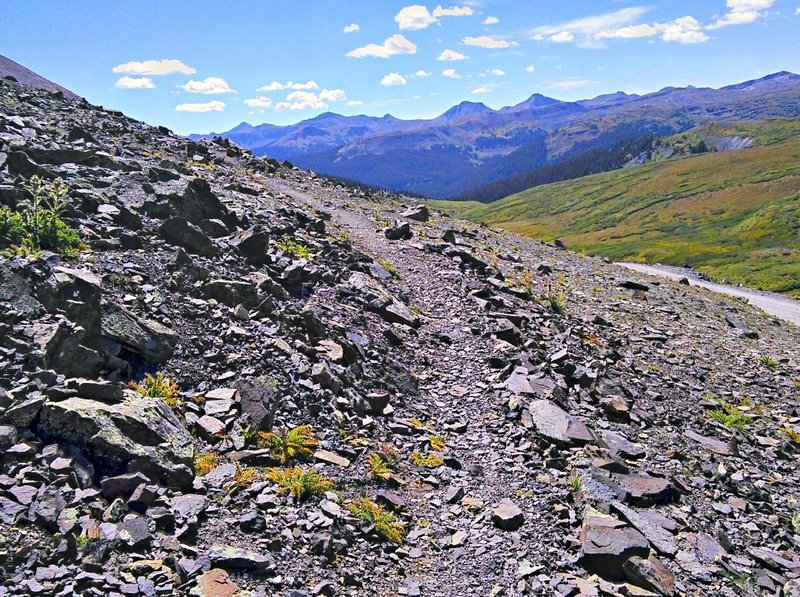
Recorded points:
(216,583)
(651,574)
(661,539)
(645,491)
(418,213)
(558,427)
(606,543)
(140,434)
(709,443)
(149,339)
(233,557)
(210,426)
(331,458)
(507,515)
(121,485)
(178,231)
(399,231)
(390,499)
(381,301)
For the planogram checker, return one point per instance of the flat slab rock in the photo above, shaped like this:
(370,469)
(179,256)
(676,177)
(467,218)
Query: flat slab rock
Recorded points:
(507,516)
(557,426)
(607,543)
(225,556)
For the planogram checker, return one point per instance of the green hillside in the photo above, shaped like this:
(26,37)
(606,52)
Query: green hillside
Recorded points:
(733,215)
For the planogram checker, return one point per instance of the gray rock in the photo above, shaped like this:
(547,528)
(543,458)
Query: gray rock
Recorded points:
(399,231)
(140,434)
(507,516)
(651,574)
(556,426)
(607,543)
(418,213)
(178,231)
(121,485)
(233,557)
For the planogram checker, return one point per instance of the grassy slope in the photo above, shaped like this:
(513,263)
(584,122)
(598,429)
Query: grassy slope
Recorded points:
(733,215)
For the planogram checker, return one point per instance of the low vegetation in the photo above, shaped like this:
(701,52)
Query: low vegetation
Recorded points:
(158,386)
(295,443)
(732,215)
(298,483)
(426,460)
(294,248)
(383,521)
(379,468)
(204,463)
(729,415)
(37,226)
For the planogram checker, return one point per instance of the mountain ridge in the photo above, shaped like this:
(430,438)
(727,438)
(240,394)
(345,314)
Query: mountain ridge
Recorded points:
(448,156)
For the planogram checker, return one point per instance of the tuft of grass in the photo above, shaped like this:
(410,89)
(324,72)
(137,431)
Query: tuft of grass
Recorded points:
(575,483)
(792,433)
(298,483)
(295,443)
(204,463)
(379,468)
(38,225)
(383,521)
(437,443)
(768,361)
(245,476)
(158,386)
(426,460)
(294,248)
(389,267)
(730,416)
(796,384)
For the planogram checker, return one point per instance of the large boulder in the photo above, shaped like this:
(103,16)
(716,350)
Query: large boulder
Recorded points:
(607,543)
(149,339)
(378,299)
(182,233)
(139,434)
(557,426)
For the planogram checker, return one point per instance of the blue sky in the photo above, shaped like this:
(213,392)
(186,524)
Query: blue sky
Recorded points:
(208,65)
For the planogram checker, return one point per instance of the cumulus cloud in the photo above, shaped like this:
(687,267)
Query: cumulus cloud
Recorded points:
(134,83)
(212,106)
(742,12)
(278,86)
(530,69)
(309,100)
(451,56)
(169,66)
(592,31)
(332,95)
(354,103)
(258,102)
(352,28)
(414,17)
(453,11)
(497,72)
(301,100)
(422,74)
(485,41)
(393,80)
(208,86)
(396,44)
(417,16)
(481,90)
(451,73)
(491,21)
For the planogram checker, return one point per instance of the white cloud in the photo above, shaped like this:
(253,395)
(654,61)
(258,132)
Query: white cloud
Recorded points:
(741,12)
(592,31)
(414,17)
(169,66)
(562,37)
(797,11)
(278,86)
(481,90)
(393,80)
(134,83)
(212,106)
(569,84)
(484,41)
(686,30)
(453,11)
(354,103)
(301,100)
(396,44)
(332,95)
(496,72)
(530,69)
(491,21)
(208,86)
(422,74)
(352,28)
(258,102)
(450,73)
(451,56)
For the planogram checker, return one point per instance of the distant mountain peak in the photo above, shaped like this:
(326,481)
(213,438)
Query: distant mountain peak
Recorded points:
(535,101)
(465,108)
(774,81)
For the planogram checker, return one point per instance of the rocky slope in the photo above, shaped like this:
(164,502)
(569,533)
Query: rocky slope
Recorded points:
(553,425)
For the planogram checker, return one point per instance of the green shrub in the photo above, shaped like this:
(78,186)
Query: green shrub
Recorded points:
(158,386)
(294,248)
(384,522)
(730,416)
(298,483)
(38,225)
(295,443)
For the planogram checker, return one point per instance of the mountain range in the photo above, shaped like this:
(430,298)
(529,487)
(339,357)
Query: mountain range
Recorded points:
(470,146)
